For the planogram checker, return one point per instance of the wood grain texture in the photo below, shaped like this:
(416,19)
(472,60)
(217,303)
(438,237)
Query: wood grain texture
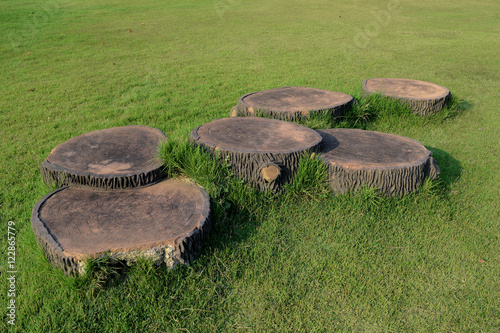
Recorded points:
(394,164)
(114,158)
(166,222)
(291,103)
(424,98)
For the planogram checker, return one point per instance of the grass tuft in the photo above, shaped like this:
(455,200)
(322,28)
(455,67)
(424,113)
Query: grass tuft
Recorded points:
(101,273)
(310,181)
(367,199)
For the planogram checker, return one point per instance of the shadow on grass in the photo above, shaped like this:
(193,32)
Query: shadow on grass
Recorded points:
(450,168)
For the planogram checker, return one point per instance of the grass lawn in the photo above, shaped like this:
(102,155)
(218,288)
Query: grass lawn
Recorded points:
(302,261)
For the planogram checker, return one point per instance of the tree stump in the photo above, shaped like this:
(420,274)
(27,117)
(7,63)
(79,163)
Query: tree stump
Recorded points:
(291,103)
(165,222)
(424,98)
(113,158)
(394,164)
(264,152)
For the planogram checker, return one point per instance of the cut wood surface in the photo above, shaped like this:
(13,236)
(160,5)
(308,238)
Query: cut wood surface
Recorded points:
(395,164)
(422,97)
(290,103)
(113,158)
(265,152)
(166,222)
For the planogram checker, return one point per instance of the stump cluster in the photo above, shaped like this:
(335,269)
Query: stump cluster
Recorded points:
(114,202)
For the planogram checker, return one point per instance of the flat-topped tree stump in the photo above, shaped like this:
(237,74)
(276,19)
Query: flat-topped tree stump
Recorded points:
(395,164)
(113,158)
(291,103)
(265,152)
(424,98)
(166,222)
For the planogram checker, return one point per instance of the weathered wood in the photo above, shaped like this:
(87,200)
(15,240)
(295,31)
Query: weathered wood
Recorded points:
(265,152)
(394,164)
(270,172)
(114,158)
(166,222)
(424,98)
(291,103)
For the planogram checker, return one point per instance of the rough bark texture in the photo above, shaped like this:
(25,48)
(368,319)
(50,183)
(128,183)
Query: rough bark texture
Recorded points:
(60,176)
(166,222)
(115,158)
(395,165)
(251,161)
(424,98)
(292,103)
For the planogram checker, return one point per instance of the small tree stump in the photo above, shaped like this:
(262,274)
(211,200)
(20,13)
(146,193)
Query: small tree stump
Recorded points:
(424,98)
(265,152)
(113,158)
(166,222)
(291,103)
(394,164)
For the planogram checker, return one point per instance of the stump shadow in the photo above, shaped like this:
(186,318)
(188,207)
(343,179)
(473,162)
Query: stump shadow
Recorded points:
(329,142)
(456,107)
(451,168)
(232,225)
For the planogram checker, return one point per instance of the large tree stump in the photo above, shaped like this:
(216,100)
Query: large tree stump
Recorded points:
(394,164)
(424,98)
(291,103)
(166,222)
(113,158)
(265,152)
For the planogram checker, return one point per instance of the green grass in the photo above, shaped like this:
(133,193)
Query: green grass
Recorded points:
(302,261)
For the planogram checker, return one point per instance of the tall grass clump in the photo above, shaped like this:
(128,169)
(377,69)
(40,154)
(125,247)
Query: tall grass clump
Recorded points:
(100,273)
(310,181)
(212,172)
(376,112)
